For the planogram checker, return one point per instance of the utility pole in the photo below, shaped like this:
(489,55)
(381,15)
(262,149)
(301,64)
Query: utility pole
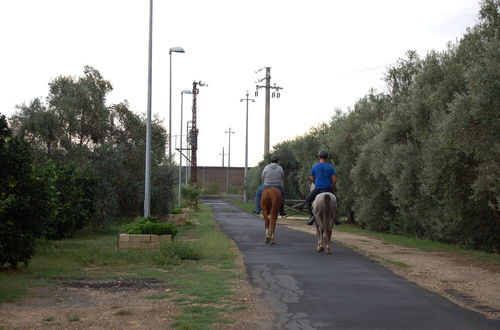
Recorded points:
(228,158)
(223,155)
(246,150)
(188,151)
(194,134)
(268,88)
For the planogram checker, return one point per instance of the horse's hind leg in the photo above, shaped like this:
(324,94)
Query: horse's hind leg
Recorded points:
(327,237)
(266,227)
(272,227)
(320,247)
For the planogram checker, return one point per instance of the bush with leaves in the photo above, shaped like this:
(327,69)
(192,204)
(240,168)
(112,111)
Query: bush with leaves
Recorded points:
(23,202)
(70,193)
(176,211)
(191,195)
(150,226)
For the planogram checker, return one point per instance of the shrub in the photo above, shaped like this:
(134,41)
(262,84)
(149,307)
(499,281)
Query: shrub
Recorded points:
(176,211)
(182,250)
(70,192)
(191,195)
(141,227)
(23,203)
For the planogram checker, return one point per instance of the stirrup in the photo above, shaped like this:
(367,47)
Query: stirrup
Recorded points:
(311,220)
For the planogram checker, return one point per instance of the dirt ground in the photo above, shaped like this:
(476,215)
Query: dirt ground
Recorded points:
(123,304)
(460,279)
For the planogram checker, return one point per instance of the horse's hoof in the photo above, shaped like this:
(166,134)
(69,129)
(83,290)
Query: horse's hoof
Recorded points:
(320,249)
(273,242)
(328,252)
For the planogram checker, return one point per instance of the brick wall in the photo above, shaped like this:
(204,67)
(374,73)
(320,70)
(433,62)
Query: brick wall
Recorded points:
(212,177)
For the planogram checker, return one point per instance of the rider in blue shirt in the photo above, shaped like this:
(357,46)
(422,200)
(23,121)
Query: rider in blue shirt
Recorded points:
(324,177)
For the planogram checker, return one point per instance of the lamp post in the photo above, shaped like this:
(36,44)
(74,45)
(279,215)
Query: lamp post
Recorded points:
(147,175)
(186,91)
(228,158)
(246,150)
(172,50)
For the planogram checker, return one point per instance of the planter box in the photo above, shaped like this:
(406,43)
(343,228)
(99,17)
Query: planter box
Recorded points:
(177,216)
(142,242)
(177,219)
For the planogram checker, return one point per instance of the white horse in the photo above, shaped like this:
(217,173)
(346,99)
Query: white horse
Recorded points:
(324,208)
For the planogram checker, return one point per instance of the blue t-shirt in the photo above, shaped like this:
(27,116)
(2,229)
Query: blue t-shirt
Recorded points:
(322,173)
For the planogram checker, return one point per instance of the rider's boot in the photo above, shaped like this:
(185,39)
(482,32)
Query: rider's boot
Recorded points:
(282,211)
(311,219)
(337,220)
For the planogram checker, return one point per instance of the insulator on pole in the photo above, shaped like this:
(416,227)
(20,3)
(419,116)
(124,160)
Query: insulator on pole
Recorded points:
(278,95)
(273,94)
(256,93)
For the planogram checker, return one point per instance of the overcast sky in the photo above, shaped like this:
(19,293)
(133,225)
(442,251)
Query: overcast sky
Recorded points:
(325,54)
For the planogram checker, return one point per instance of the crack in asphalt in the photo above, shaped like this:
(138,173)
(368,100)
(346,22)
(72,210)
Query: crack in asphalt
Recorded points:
(279,291)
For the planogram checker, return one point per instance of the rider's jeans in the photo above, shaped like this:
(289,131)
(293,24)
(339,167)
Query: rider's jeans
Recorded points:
(258,195)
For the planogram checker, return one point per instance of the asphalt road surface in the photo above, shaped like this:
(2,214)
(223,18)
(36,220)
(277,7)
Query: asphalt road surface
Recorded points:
(343,290)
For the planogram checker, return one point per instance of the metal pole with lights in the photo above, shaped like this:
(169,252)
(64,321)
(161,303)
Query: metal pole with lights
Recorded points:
(188,152)
(193,134)
(246,150)
(172,50)
(268,88)
(187,91)
(147,179)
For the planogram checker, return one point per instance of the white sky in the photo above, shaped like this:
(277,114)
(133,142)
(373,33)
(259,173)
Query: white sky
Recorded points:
(319,51)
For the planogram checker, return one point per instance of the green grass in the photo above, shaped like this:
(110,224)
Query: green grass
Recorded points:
(424,244)
(199,273)
(248,206)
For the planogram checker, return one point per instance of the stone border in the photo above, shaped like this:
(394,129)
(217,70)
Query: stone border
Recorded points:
(142,242)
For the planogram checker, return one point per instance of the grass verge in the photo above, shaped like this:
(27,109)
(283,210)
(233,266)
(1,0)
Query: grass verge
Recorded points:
(200,272)
(424,244)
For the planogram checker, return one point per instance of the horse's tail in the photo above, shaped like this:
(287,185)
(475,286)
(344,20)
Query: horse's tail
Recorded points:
(328,204)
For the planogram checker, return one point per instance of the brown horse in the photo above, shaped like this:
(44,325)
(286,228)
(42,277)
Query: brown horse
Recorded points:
(324,208)
(270,203)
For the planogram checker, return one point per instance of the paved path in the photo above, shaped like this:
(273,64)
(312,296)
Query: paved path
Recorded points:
(344,290)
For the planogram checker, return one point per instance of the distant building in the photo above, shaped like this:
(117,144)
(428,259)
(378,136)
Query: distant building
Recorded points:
(213,179)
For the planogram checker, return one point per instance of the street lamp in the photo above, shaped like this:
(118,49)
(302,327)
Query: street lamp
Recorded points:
(246,151)
(147,170)
(186,91)
(172,50)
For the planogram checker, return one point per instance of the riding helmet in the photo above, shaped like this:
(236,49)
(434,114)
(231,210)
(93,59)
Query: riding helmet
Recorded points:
(323,154)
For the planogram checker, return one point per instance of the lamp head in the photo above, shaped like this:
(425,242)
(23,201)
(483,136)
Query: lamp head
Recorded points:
(176,50)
